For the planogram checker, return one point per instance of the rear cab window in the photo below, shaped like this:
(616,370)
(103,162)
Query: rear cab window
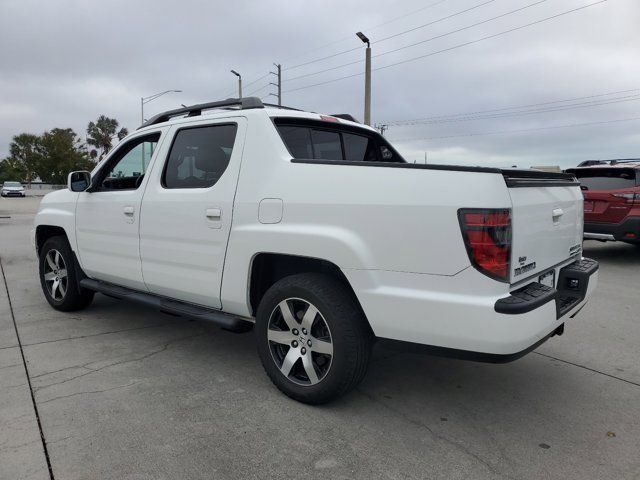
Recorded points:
(606,178)
(308,139)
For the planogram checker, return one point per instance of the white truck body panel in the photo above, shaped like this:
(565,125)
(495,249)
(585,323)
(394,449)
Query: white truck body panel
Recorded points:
(547,228)
(393,232)
(182,249)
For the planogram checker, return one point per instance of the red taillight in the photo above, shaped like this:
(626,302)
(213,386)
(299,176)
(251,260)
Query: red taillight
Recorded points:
(487,236)
(630,197)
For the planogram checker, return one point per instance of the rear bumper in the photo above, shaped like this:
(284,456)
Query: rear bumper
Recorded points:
(613,231)
(571,289)
(456,315)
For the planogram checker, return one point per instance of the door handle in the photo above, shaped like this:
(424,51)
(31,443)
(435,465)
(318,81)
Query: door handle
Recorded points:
(128,210)
(214,213)
(556,214)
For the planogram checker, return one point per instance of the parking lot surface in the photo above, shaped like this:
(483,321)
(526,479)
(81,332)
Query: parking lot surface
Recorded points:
(119,391)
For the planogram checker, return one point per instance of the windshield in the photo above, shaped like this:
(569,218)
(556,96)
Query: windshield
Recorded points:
(605,178)
(12,184)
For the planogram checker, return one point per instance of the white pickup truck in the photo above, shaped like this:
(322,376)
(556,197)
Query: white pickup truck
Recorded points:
(317,231)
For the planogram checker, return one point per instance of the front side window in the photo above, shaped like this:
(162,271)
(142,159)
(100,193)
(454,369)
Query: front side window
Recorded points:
(199,156)
(126,170)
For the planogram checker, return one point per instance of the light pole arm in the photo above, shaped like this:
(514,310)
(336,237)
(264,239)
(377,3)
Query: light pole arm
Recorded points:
(150,98)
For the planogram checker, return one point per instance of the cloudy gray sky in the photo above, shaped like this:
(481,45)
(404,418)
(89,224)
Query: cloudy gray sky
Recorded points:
(575,78)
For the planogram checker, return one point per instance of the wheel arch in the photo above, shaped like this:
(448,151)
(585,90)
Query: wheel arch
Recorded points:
(267,268)
(45,232)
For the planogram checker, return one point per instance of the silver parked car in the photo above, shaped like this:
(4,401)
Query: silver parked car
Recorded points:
(12,189)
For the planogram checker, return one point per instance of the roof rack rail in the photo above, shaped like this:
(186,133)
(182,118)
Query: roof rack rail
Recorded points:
(345,116)
(615,161)
(195,110)
(281,106)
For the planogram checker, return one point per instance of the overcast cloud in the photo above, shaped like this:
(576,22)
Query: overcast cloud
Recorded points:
(63,63)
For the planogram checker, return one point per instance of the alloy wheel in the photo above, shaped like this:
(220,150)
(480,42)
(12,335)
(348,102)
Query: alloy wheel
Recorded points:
(300,341)
(55,275)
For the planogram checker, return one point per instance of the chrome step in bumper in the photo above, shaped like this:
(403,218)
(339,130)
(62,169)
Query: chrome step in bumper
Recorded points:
(599,236)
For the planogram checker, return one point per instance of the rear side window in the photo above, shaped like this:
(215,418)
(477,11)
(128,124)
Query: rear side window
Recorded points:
(606,178)
(333,143)
(297,140)
(358,148)
(199,156)
(326,144)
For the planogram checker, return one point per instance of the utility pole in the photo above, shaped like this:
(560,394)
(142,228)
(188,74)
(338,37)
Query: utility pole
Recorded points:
(279,84)
(367,79)
(239,83)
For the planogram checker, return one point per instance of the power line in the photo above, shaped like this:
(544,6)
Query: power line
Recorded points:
(523,112)
(257,90)
(374,27)
(419,43)
(452,48)
(501,132)
(247,85)
(422,41)
(599,95)
(395,35)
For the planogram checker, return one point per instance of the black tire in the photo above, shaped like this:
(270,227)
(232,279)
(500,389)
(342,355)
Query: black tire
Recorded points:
(72,298)
(350,338)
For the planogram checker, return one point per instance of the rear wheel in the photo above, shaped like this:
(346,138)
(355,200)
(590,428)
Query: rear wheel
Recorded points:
(313,340)
(58,277)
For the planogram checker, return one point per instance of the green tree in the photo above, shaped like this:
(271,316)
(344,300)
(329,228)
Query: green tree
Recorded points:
(101,133)
(61,152)
(24,155)
(10,172)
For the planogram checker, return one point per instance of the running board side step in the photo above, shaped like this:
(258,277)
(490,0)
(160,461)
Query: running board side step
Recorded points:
(181,309)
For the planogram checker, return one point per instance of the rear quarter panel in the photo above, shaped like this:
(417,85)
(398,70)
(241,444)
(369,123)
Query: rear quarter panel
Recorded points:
(357,217)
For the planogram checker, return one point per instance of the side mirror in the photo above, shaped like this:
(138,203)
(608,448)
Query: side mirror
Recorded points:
(79,181)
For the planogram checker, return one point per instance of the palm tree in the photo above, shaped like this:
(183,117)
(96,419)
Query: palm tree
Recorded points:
(101,134)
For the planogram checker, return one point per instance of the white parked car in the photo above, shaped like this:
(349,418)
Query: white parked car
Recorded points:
(12,189)
(315,230)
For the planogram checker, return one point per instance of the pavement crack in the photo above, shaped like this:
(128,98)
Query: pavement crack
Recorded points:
(130,384)
(9,366)
(588,368)
(113,364)
(15,447)
(426,427)
(97,334)
(26,371)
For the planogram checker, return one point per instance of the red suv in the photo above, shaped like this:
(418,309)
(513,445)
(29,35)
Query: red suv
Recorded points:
(611,200)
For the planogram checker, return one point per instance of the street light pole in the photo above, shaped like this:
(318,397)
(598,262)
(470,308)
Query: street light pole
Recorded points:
(239,83)
(367,79)
(150,98)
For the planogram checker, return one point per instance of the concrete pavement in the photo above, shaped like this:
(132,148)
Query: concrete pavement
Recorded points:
(124,392)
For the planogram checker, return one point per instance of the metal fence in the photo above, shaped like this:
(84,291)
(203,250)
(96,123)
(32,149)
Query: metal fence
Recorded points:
(42,186)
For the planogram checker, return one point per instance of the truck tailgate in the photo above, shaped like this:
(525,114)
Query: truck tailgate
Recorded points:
(547,221)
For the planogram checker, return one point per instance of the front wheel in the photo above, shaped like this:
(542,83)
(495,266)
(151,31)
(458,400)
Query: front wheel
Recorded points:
(58,277)
(313,339)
